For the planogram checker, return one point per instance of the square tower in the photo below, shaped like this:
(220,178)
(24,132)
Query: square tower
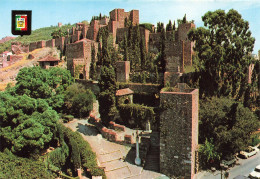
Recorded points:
(179,131)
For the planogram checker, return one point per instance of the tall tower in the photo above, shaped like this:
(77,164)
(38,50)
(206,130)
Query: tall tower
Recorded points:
(179,131)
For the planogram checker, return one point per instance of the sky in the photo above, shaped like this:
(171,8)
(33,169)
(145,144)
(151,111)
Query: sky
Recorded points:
(49,12)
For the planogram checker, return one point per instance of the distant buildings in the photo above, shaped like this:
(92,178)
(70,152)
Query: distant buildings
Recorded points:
(48,62)
(5,54)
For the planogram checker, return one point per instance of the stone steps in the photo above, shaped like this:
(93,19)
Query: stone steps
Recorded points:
(153,159)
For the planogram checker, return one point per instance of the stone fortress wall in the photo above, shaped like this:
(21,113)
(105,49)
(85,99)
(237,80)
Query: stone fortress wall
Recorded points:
(177,44)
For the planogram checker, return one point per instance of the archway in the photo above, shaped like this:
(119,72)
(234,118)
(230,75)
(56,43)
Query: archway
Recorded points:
(81,76)
(126,101)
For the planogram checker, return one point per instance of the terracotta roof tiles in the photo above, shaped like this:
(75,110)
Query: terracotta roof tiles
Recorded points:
(48,59)
(123,92)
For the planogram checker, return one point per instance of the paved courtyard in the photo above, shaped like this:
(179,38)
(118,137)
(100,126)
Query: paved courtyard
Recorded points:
(115,158)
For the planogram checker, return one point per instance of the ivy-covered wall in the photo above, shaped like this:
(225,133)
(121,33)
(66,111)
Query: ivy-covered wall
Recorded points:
(126,99)
(79,69)
(135,115)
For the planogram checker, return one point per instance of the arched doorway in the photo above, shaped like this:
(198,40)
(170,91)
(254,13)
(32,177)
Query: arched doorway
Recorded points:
(126,101)
(81,76)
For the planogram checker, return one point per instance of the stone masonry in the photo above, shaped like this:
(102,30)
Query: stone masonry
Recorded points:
(179,132)
(79,57)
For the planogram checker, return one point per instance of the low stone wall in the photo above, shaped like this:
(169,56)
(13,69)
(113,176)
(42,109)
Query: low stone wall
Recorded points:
(129,139)
(41,44)
(50,43)
(111,134)
(116,127)
(59,43)
(32,46)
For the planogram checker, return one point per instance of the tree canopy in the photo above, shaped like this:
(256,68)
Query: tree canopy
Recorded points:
(26,124)
(58,33)
(49,84)
(227,124)
(12,166)
(78,100)
(223,48)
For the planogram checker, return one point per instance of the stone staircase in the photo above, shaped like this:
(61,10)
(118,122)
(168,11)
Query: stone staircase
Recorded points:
(152,162)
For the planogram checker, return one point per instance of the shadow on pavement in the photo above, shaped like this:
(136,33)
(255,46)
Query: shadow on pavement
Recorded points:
(87,130)
(130,157)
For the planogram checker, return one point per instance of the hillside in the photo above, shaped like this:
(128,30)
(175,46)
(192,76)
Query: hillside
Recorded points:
(5,39)
(8,74)
(37,35)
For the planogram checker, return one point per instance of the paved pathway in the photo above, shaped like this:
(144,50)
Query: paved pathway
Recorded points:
(111,155)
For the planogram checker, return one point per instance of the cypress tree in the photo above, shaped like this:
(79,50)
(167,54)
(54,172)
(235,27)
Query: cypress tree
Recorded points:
(99,54)
(93,69)
(184,19)
(107,102)
(163,55)
(169,26)
(126,55)
(143,54)
(173,27)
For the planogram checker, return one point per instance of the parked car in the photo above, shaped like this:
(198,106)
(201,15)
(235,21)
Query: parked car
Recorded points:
(249,152)
(257,147)
(256,173)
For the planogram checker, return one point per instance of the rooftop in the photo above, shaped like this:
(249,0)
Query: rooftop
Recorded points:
(123,92)
(85,40)
(48,59)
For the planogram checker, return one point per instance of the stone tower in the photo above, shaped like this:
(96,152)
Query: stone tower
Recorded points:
(179,131)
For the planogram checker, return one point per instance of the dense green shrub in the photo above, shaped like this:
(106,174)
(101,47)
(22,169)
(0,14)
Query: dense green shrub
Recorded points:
(208,156)
(255,139)
(58,33)
(45,84)
(80,153)
(59,156)
(67,118)
(27,125)
(145,77)
(12,166)
(78,100)
(148,99)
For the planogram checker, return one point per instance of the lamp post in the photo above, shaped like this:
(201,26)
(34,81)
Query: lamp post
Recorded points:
(221,168)
(137,159)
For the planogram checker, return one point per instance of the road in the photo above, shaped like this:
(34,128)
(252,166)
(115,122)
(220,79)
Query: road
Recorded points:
(244,168)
